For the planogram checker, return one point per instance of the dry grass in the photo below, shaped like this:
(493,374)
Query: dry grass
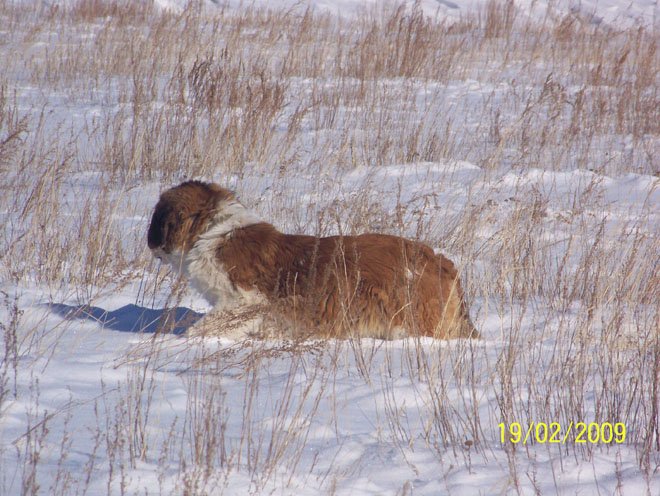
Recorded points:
(102,98)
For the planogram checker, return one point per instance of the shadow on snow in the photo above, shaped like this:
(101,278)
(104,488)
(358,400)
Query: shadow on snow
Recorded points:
(132,318)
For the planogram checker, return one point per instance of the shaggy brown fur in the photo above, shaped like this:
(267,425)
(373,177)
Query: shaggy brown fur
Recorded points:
(368,285)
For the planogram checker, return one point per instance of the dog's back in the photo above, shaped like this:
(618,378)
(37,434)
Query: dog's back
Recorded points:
(367,285)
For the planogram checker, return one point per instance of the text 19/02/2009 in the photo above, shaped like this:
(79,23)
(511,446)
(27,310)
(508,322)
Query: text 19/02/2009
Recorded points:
(555,433)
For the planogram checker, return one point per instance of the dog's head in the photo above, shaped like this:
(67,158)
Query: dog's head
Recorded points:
(182,214)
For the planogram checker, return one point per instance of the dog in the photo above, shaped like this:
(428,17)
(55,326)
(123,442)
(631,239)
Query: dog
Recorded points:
(370,285)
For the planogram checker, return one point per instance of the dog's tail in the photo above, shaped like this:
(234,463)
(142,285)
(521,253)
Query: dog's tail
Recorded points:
(455,321)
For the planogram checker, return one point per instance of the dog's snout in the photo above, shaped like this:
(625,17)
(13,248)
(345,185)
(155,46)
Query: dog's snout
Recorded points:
(158,253)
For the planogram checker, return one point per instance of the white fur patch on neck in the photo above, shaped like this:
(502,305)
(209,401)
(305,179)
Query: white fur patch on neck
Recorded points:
(230,216)
(206,273)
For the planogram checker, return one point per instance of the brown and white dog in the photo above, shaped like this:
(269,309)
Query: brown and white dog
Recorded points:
(371,285)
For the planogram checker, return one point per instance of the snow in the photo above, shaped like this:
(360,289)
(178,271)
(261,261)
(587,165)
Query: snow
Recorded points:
(595,11)
(88,358)
(624,13)
(101,401)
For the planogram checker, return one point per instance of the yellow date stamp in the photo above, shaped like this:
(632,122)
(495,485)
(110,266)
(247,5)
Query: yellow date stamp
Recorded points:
(555,433)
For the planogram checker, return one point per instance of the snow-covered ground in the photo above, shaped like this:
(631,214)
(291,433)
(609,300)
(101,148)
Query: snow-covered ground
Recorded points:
(102,393)
(594,11)
(96,384)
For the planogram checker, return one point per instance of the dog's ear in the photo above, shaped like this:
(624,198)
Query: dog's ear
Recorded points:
(156,232)
(161,225)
